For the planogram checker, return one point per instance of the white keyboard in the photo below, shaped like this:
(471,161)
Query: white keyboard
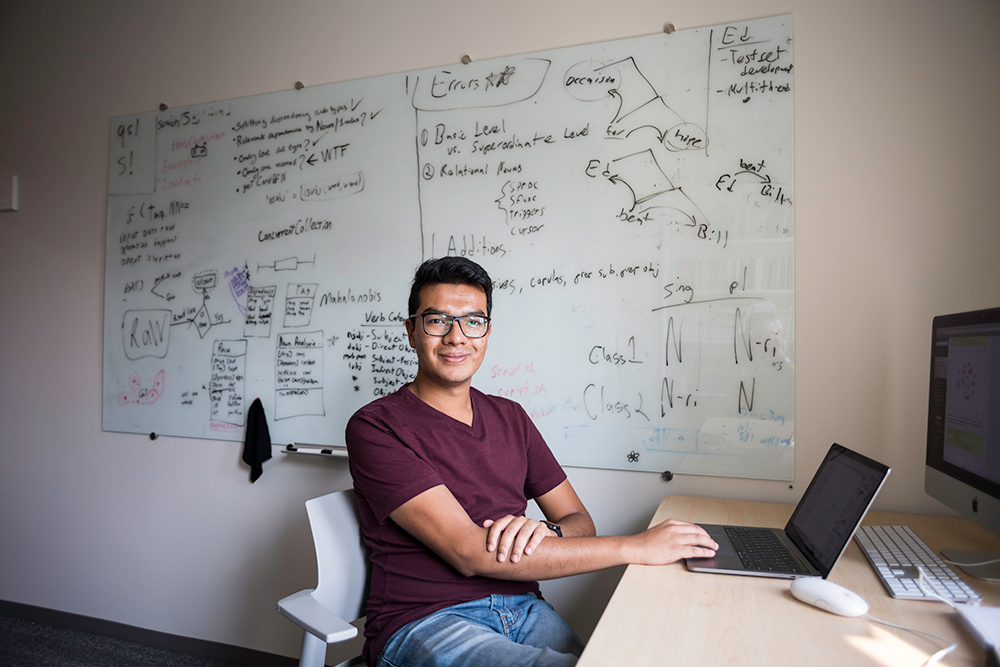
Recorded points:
(896,552)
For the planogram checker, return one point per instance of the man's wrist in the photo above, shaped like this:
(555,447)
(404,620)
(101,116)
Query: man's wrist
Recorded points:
(553,527)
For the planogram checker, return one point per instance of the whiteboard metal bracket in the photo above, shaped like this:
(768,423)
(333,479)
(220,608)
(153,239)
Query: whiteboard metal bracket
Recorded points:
(669,28)
(466,59)
(667,475)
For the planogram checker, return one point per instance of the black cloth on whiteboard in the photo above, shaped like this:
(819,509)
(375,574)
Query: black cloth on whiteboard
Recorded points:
(257,447)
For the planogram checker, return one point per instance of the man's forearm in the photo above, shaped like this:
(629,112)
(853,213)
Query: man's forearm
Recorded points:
(553,558)
(662,544)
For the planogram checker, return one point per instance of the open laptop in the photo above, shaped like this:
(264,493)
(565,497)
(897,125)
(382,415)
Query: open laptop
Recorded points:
(822,524)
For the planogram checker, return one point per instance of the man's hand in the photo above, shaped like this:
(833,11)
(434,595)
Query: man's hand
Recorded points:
(671,541)
(514,536)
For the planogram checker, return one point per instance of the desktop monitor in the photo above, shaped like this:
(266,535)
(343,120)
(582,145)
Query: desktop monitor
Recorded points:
(963,425)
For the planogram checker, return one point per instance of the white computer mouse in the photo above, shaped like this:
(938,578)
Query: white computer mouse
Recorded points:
(829,596)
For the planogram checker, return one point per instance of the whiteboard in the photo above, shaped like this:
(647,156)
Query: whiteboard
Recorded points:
(632,201)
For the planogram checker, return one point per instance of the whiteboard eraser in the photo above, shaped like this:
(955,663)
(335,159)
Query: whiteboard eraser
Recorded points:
(8,192)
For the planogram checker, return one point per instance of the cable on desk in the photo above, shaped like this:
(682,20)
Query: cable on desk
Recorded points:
(933,593)
(934,658)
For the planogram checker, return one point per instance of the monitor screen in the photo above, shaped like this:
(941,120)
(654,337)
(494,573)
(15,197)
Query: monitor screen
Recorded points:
(963,421)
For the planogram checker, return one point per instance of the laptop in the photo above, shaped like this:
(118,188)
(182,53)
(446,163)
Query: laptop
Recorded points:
(821,526)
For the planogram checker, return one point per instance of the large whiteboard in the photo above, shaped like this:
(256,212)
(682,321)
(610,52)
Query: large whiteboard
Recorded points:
(632,200)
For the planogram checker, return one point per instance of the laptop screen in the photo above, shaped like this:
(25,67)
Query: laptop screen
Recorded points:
(834,504)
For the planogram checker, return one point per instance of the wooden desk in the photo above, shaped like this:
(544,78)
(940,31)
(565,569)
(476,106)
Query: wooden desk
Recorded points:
(668,615)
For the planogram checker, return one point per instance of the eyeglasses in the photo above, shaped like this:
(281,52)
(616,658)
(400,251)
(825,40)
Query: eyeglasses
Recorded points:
(439,324)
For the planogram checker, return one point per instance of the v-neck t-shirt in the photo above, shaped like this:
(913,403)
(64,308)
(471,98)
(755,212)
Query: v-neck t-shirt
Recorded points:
(399,447)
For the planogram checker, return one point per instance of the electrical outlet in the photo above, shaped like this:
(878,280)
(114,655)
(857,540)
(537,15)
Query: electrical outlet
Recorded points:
(8,192)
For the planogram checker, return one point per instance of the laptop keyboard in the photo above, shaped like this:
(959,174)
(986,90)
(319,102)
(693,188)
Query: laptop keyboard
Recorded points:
(761,550)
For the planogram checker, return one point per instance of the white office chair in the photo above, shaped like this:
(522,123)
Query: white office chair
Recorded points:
(342,589)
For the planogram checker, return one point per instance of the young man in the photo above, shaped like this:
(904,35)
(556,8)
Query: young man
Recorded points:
(443,473)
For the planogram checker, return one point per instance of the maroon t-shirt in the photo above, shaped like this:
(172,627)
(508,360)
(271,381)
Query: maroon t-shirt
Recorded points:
(399,447)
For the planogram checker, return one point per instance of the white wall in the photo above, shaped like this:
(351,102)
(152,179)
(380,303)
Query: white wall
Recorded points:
(897,219)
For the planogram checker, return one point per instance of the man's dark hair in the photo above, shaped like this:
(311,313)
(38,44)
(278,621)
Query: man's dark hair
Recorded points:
(450,271)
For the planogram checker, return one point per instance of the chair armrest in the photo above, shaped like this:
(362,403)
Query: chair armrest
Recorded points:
(313,616)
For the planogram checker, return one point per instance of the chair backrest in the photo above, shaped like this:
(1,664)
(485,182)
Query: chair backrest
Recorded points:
(341,556)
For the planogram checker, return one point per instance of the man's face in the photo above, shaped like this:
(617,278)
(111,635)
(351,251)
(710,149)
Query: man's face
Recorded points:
(450,360)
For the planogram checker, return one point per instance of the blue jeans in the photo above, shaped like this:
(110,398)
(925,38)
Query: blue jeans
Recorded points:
(518,631)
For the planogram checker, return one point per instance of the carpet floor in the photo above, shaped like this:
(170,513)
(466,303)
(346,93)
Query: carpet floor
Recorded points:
(30,644)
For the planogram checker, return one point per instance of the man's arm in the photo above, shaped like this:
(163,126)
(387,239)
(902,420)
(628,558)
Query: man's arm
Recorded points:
(562,506)
(512,536)
(437,519)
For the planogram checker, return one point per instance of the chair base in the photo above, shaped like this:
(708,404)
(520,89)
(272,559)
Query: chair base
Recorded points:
(313,651)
